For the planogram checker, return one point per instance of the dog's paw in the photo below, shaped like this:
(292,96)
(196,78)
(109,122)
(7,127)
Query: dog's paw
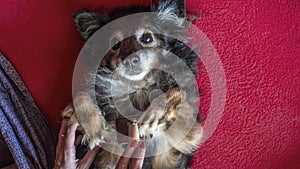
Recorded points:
(69,113)
(149,125)
(91,120)
(161,114)
(152,120)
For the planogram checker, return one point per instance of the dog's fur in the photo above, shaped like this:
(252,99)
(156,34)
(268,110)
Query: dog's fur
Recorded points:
(135,76)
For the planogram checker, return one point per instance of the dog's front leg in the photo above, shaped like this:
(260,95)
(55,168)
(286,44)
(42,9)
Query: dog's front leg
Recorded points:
(90,118)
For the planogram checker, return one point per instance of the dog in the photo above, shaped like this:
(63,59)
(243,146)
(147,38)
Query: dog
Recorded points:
(132,67)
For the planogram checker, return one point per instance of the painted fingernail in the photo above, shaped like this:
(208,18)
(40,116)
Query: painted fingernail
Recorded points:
(143,145)
(133,144)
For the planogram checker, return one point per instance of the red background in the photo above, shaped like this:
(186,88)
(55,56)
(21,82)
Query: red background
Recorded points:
(258,44)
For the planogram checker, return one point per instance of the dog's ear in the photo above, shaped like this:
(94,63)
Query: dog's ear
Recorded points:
(172,10)
(88,23)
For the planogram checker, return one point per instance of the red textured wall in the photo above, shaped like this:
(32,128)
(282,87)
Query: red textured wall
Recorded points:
(258,44)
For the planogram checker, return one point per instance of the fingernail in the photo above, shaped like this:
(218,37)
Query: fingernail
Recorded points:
(143,145)
(133,144)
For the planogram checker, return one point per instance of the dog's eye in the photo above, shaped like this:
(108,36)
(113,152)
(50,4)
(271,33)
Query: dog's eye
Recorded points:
(146,38)
(116,44)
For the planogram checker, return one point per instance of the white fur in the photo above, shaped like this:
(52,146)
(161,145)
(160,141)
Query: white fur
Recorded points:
(169,14)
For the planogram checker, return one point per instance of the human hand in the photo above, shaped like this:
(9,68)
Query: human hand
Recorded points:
(126,160)
(66,151)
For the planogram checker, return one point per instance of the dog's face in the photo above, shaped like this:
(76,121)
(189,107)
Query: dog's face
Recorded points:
(135,56)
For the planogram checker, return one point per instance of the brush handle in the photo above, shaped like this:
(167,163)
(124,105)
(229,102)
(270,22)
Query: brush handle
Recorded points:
(133,131)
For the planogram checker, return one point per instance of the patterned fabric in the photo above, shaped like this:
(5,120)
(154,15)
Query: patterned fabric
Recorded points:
(24,129)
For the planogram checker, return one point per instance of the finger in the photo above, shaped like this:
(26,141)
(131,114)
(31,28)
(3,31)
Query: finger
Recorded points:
(88,159)
(124,159)
(69,150)
(138,157)
(60,143)
(71,133)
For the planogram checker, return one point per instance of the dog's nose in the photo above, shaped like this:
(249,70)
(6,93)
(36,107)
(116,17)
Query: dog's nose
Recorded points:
(131,61)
